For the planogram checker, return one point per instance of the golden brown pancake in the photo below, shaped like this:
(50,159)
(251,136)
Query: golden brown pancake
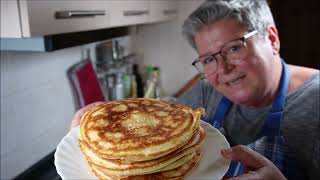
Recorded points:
(141,139)
(174,174)
(137,129)
(118,167)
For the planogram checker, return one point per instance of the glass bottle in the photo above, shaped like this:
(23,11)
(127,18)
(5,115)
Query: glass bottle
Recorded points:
(119,87)
(134,89)
(158,86)
(151,84)
(138,80)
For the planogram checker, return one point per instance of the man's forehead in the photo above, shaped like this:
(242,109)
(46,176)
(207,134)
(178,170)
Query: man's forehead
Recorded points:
(214,35)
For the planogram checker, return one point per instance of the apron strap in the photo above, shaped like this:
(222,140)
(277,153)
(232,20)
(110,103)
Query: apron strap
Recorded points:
(272,124)
(223,107)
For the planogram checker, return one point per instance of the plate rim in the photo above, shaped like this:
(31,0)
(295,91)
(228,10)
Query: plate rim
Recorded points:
(71,134)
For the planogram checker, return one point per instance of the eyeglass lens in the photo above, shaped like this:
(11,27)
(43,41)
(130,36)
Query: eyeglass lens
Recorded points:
(231,52)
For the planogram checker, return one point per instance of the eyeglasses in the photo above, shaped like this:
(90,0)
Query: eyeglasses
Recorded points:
(231,52)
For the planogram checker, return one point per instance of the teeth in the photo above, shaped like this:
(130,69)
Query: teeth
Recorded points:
(234,81)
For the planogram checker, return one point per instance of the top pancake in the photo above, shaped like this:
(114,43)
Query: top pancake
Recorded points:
(138,129)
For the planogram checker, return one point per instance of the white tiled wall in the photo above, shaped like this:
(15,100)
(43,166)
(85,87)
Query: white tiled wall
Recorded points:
(36,105)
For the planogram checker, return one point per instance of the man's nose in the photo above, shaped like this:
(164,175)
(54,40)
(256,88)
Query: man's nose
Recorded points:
(223,66)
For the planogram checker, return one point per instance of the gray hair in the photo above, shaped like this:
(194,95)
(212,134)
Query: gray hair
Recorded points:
(252,14)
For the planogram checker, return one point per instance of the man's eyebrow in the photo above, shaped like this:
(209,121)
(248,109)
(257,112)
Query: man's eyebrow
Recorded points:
(206,54)
(210,53)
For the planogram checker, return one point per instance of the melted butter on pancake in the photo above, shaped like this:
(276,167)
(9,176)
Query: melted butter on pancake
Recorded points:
(162,113)
(150,109)
(138,123)
(90,124)
(119,108)
(101,123)
(146,103)
(167,119)
(159,105)
(105,144)
(132,105)
(94,135)
(113,135)
(99,112)
(140,132)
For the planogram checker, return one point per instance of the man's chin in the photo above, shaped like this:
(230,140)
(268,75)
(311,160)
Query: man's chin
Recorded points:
(243,100)
(237,96)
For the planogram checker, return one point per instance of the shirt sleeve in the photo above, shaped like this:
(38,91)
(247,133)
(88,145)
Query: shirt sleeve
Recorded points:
(301,128)
(202,95)
(193,97)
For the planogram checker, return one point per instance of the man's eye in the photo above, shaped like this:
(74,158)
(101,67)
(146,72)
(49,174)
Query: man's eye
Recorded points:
(235,48)
(207,60)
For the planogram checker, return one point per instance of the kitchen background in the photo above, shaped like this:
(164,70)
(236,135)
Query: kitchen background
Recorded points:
(37,104)
(36,100)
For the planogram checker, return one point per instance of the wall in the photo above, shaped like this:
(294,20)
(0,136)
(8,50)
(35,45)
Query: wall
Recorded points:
(163,45)
(36,106)
(297,31)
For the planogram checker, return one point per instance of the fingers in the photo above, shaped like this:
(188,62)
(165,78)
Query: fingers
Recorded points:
(251,175)
(78,115)
(267,172)
(245,155)
(256,165)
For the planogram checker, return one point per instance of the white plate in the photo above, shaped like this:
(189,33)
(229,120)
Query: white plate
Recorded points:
(71,164)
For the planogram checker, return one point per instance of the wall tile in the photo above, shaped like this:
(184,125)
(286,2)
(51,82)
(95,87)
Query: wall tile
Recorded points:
(34,112)
(21,71)
(32,151)
(36,105)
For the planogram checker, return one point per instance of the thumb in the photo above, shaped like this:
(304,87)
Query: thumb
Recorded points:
(78,115)
(245,155)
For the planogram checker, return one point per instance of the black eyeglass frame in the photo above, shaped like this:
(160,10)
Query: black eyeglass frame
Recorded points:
(243,39)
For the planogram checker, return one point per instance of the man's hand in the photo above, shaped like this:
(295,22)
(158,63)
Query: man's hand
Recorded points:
(255,165)
(78,115)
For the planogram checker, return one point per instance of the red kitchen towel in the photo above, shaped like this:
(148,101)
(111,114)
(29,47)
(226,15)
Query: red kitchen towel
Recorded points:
(85,85)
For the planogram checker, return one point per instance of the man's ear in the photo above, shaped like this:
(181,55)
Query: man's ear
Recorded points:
(272,36)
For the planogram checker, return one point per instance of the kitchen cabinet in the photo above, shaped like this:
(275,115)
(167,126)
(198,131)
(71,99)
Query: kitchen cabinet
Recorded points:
(29,25)
(163,10)
(132,12)
(128,12)
(29,18)
(40,18)
(9,19)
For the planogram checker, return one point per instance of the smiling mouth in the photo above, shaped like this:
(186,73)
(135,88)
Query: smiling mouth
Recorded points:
(235,81)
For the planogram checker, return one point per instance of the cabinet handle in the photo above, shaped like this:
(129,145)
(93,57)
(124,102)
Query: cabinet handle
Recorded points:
(170,11)
(135,13)
(76,14)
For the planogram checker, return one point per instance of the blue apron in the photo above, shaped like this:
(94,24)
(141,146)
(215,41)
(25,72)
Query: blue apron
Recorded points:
(269,141)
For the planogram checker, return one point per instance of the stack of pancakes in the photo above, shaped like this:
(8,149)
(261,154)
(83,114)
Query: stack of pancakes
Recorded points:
(141,139)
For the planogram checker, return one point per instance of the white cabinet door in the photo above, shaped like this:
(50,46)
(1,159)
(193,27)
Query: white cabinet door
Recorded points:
(10,22)
(35,18)
(40,18)
(128,12)
(163,10)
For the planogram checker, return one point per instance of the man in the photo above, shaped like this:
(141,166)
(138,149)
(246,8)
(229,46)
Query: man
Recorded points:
(251,94)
